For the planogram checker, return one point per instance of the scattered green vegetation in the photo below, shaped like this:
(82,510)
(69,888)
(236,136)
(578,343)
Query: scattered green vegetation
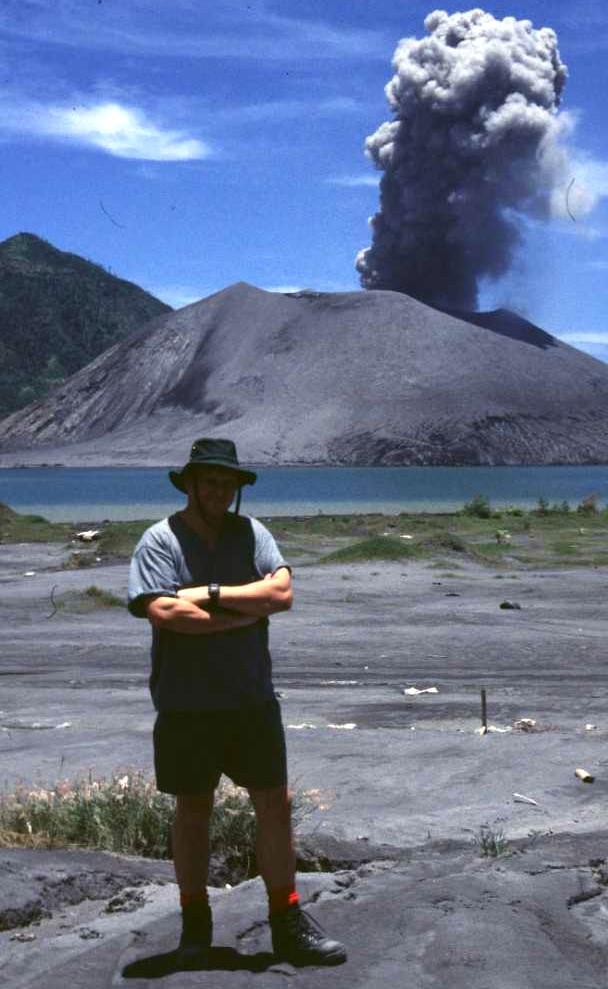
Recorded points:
(490,843)
(537,537)
(544,508)
(375,548)
(17,528)
(117,540)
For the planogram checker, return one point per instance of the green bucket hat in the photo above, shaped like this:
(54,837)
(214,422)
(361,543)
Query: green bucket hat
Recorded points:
(212,453)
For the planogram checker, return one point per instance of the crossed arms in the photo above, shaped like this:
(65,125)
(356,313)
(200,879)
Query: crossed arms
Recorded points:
(240,605)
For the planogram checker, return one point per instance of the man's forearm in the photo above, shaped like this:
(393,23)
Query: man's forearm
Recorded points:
(179,615)
(257,599)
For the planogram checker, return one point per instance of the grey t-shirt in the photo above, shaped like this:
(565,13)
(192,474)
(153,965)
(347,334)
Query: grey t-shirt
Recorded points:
(222,670)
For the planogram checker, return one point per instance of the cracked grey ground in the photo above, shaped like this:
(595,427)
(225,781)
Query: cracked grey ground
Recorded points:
(413,774)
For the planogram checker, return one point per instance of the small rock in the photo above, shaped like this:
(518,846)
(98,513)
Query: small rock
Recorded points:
(525,724)
(89,933)
(510,606)
(126,901)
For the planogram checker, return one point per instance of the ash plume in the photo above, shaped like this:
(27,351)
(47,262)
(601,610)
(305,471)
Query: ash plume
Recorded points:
(475,144)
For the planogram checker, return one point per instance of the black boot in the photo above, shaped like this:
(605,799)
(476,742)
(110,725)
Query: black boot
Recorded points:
(299,939)
(197,931)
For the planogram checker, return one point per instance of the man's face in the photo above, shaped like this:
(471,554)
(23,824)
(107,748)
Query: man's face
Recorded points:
(211,490)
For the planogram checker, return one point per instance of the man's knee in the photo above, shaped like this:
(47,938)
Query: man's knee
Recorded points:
(194,806)
(274,804)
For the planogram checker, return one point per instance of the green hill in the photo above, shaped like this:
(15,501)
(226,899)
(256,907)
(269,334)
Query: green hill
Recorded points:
(58,312)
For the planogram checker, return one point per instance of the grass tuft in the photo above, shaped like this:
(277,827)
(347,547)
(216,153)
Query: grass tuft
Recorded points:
(92,598)
(490,843)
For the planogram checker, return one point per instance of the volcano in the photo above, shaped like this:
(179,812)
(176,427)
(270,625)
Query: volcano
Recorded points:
(349,378)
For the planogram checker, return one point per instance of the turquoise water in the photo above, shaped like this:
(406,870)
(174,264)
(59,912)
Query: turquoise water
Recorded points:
(92,494)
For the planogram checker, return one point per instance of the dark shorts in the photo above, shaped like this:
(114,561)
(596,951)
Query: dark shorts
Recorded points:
(193,748)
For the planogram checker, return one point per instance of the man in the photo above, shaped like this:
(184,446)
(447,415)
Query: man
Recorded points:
(207,580)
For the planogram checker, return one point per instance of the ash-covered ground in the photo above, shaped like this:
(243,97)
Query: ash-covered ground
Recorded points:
(407,771)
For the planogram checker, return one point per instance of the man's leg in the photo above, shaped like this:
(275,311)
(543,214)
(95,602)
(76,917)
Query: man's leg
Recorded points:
(191,861)
(274,843)
(191,841)
(295,936)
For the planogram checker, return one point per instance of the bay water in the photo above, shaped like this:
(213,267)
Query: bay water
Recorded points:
(121,493)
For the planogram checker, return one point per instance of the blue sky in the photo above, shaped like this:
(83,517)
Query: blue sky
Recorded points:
(187,145)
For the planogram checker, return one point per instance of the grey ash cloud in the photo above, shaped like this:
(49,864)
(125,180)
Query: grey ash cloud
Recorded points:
(477,140)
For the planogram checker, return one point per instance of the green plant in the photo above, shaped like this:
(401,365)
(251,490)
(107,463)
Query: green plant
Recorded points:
(557,508)
(514,510)
(490,843)
(542,507)
(479,507)
(588,506)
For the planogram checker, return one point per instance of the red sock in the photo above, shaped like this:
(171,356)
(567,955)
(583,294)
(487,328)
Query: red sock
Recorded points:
(187,899)
(281,898)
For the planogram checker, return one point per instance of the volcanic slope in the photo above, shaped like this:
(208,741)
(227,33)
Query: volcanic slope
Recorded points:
(336,378)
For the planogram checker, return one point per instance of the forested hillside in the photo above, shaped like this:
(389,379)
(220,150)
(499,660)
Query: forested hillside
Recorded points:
(57,312)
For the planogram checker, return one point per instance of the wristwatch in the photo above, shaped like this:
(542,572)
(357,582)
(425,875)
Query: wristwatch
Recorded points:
(213,590)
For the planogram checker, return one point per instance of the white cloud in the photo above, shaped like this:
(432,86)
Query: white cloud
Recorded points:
(282,289)
(354,181)
(584,337)
(322,286)
(182,29)
(589,180)
(288,109)
(122,131)
(178,296)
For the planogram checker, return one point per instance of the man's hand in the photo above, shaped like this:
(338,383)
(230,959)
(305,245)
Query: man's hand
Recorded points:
(258,599)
